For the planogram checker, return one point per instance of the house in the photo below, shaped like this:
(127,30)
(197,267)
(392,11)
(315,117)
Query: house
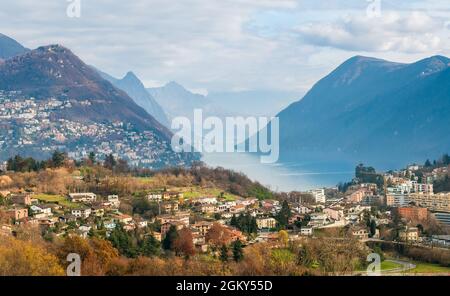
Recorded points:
(82,212)
(114,201)
(129,227)
(266,223)
(295,218)
(166,226)
(182,217)
(82,197)
(303,210)
(239,208)
(83,231)
(17,213)
(360,233)
(40,212)
(409,234)
(206,200)
(141,223)
(306,231)
(334,213)
(170,207)
(21,199)
(443,240)
(202,226)
(123,218)
(172,195)
(154,197)
(98,211)
(207,208)
(359,195)
(319,195)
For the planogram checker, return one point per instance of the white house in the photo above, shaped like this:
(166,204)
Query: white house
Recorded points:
(82,197)
(307,231)
(319,195)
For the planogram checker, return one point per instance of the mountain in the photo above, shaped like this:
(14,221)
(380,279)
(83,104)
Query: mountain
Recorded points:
(371,110)
(178,101)
(10,47)
(136,90)
(50,99)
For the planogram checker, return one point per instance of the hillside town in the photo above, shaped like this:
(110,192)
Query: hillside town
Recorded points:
(33,127)
(397,207)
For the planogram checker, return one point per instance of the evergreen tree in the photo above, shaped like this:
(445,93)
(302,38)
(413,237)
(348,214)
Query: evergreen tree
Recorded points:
(150,247)
(58,159)
(224,254)
(170,238)
(283,215)
(92,157)
(238,251)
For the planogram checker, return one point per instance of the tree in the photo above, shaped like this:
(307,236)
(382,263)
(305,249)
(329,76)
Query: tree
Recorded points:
(184,244)
(427,163)
(20,258)
(373,228)
(151,247)
(218,235)
(123,242)
(283,215)
(170,238)
(283,236)
(238,251)
(58,159)
(110,162)
(224,254)
(92,157)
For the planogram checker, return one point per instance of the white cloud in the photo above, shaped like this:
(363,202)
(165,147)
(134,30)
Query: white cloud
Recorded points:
(414,32)
(218,45)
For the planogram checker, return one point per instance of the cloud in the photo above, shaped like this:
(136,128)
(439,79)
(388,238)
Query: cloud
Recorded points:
(224,45)
(414,32)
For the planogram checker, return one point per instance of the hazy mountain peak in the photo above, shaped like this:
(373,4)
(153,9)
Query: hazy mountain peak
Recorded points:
(10,47)
(175,86)
(134,87)
(130,76)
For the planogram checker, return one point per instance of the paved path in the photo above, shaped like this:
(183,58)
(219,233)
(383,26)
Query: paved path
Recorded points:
(405,266)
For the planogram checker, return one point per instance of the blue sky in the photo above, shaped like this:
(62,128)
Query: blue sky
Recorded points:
(231,45)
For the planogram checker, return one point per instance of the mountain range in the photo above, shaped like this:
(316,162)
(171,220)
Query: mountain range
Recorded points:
(131,84)
(10,47)
(374,111)
(176,100)
(50,99)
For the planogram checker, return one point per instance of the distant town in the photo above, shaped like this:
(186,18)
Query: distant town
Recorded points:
(33,127)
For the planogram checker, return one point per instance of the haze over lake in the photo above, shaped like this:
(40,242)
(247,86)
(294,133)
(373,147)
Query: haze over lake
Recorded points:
(286,177)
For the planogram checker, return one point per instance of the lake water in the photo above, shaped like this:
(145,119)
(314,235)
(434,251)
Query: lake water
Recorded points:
(299,176)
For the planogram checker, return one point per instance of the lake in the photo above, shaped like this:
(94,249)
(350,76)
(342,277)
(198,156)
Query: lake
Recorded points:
(289,176)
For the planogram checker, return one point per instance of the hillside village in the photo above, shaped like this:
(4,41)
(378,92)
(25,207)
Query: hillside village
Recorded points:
(32,127)
(395,207)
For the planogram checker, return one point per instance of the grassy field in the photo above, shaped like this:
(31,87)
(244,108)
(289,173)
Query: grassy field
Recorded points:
(388,265)
(61,200)
(197,192)
(428,268)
